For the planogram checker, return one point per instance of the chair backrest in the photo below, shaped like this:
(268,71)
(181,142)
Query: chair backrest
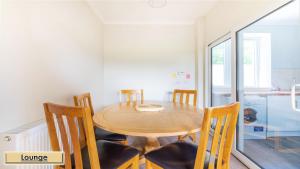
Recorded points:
(224,118)
(132,95)
(84,100)
(66,118)
(187,94)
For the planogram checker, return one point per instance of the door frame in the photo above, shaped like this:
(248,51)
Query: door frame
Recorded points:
(231,35)
(240,156)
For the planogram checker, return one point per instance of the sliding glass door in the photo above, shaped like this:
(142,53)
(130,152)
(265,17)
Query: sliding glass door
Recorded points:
(268,77)
(263,74)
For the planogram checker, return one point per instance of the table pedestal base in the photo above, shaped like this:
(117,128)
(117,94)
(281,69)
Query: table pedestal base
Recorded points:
(144,145)
(151,144)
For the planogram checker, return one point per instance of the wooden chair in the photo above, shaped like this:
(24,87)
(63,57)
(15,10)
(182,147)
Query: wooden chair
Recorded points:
(85,155)
(132,95)
(190,156)
(187,94)
(84,100)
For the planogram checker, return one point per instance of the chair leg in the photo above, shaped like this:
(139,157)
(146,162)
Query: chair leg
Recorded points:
(135,163)
(193,137)
(148,165)
(226,165)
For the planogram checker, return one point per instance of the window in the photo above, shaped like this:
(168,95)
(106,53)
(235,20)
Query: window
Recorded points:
(257,60)
(221,64)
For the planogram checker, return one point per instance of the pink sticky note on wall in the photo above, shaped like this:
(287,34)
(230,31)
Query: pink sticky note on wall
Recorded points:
(188,76)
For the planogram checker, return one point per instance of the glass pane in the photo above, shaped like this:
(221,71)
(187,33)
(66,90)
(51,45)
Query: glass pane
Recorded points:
(268,58)
(221,73)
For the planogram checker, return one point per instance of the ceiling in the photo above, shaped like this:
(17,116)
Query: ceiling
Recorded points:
(140,12)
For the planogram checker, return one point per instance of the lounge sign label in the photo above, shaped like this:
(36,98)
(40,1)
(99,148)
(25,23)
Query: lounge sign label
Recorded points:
(52,157)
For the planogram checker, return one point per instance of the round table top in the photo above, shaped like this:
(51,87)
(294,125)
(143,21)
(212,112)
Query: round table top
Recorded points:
(173,120)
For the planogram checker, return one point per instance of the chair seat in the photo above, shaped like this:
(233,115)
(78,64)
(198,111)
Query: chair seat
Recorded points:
(179,155)
(101,134)
(112,155)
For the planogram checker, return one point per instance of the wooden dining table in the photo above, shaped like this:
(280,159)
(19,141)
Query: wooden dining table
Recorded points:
(173,120)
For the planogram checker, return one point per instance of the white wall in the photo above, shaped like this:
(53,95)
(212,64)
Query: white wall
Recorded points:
(49,52)
(146,56)
(228,15)
(200,55)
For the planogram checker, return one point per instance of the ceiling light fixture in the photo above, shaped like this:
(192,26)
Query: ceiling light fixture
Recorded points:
(157,3)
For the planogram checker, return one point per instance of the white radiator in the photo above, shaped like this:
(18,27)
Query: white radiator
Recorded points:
(32,137)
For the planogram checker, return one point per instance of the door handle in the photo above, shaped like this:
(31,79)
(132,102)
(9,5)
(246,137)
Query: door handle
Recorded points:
(293,97)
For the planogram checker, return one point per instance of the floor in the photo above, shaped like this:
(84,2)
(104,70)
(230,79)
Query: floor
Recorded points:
(275,153)
(235,163)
